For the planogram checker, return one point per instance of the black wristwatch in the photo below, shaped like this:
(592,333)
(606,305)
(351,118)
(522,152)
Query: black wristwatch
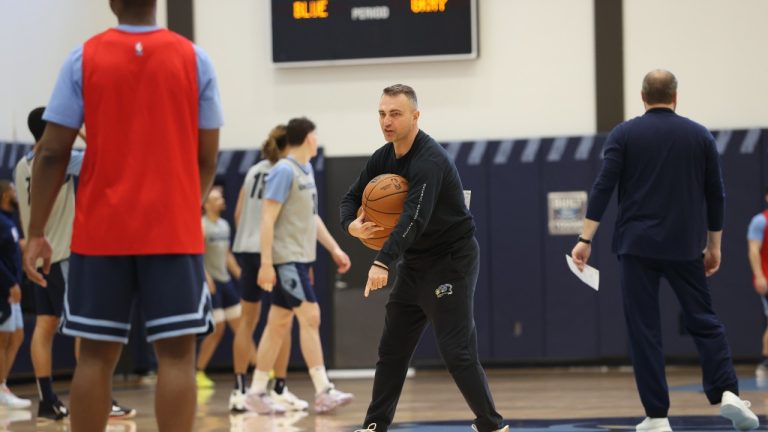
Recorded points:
(583,240)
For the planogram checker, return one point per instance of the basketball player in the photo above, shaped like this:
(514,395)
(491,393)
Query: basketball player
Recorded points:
(219,263)
(290,227)
(435,238)
(49,301)
(247,247)
(758,261)
(142,91)
(11,319)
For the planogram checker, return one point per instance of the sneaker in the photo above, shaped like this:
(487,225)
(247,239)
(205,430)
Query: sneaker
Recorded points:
(737,411)
(10,400)
(289,400)
(761,372)
(237,402)
(51,410)
(261,403)
(654,425)
(330,399)
(121,411)
(203,382)
(504,429)
(372,428)
(12,416)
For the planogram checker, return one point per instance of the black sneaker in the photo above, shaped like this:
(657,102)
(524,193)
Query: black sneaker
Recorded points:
(55,410)
(121,411)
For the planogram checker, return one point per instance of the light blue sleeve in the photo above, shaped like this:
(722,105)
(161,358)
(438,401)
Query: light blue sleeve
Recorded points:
(66,104)
(211,115)
(756,230)
(278,183)
(75,162)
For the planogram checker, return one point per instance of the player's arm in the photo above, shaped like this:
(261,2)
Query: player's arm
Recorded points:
(48,172)
(269,212)
(208,150)
(755,261)
(233,266)
(239,206)
(329,243)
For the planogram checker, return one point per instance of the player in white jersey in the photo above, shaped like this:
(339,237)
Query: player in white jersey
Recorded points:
(290,228)
(49,301)
(221,267)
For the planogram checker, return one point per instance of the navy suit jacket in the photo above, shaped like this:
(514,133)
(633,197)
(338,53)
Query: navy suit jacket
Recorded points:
(670,186)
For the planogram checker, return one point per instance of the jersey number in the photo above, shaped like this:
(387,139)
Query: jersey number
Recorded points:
(258,186)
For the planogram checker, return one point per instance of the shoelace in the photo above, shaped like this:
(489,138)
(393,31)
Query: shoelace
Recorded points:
(371,428)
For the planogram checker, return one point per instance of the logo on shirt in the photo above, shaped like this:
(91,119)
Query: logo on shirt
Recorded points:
(139,49)
(444,290)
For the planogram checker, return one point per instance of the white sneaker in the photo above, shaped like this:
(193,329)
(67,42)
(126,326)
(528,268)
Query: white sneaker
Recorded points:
(737,411)
(330,399)
(761,372)
(237,402)
(261,403)
(10,400)
(654,425)
(289,400)
(371,428)
(504,429)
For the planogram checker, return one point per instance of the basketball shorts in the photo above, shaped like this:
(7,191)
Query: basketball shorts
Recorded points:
(293,286)
(49,300)
(250,290)
(170,289)
(15,321)
(226,302)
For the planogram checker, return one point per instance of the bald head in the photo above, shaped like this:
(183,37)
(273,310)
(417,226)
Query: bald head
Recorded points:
(659,87)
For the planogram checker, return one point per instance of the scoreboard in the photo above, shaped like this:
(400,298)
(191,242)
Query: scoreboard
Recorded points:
(317,32)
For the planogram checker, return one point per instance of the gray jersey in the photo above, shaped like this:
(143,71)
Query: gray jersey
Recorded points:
(248,235)
(58,230)
(296,227)
(216,248)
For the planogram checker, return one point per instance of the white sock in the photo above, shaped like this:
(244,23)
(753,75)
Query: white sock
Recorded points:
(319,379)
(259,381)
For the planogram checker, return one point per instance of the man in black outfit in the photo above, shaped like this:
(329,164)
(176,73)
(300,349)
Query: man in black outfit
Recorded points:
(437,275)
(671,205)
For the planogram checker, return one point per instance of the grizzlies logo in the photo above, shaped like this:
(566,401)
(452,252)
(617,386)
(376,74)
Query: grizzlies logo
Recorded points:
(444,290)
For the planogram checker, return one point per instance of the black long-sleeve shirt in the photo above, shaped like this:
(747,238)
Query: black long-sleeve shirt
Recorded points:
(670,186)
(435,219)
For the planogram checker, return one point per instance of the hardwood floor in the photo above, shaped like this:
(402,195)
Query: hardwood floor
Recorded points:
(430,396)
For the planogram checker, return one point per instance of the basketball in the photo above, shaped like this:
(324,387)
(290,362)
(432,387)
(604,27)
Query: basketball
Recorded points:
(383,201)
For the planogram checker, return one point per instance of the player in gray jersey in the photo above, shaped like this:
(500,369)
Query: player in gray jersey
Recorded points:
(219,264)
(49,301)
(247,247)
(290,228)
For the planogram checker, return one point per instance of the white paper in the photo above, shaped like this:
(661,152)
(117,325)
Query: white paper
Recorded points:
(589,276)
(467,197)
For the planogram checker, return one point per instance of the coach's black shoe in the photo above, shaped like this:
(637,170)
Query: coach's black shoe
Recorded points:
(121,411)
(55,410)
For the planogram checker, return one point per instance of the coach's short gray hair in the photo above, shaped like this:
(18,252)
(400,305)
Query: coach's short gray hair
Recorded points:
(402,89)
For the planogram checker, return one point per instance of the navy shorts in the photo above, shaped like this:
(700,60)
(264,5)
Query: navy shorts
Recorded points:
(293,286)
(226,295)
(250,290)
(49,300)
(170,290)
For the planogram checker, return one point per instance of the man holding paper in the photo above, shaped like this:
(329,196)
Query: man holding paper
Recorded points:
(671,205)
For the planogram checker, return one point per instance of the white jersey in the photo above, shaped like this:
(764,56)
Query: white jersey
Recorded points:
(248,235)
(216,248)
(58,230)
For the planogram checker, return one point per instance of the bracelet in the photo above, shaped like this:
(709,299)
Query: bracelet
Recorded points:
(583,240)
(381,266)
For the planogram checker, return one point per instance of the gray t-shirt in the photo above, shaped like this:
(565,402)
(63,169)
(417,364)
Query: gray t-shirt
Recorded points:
(58,230)
(248,235)
(293,185)
(216,248)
